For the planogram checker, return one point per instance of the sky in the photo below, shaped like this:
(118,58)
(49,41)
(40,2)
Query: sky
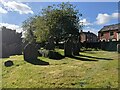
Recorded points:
(95,15)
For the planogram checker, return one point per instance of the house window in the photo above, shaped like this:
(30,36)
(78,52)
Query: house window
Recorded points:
(111,33)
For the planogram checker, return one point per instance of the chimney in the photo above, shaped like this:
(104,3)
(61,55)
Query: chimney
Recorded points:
(3,28)
(81,31)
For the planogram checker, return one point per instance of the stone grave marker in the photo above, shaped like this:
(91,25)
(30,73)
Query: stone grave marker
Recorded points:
(50,44)
(76,46)
(68,47)
(8,63)
(30,52)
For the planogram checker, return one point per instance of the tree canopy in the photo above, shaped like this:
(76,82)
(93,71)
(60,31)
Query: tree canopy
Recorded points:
(58,21)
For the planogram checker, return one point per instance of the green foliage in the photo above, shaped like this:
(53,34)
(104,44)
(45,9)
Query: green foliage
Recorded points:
(41,30)
(61,19)
(57,21)
(29,29)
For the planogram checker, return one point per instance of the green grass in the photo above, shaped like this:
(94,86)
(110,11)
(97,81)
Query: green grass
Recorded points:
(64,73)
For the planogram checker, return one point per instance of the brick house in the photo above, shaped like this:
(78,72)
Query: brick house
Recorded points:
(109,33)
(87,37)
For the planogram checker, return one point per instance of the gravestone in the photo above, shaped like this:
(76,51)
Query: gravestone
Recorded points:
(76,49)
(50,44)
(76,46)
(30,52)
(8,63)
(68,47)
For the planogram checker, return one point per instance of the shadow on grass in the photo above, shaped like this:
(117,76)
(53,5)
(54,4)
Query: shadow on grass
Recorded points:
(37,62)
(82,59)
(51,54)
(96,57)
(56,56)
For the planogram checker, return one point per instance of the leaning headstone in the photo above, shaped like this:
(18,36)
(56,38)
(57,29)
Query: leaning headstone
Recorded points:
(118,48)
(8,63)
(30,52)
(68,47)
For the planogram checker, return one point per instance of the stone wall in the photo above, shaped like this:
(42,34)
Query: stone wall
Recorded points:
(11,42)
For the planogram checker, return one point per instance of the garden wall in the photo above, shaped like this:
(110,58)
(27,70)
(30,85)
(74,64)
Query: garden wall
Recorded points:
(108,46)
(11,42)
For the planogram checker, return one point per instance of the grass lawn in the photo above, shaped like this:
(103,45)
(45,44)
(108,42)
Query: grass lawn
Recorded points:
(92,69)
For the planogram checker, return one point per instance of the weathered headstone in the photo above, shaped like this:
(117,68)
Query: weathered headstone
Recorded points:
(50,44)
(76,49)
(68,47)
(8,63)
(76,46)
(30,52)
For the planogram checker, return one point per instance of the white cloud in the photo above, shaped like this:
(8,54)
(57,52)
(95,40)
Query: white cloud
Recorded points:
(105,18)
(1,1)
(115,15)
(3,11)
(84,22)
(17,6)
(11,26)
(88,26)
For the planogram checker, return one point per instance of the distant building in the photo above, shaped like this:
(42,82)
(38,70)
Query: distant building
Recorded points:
(87,37)
(109,33)
(11,42)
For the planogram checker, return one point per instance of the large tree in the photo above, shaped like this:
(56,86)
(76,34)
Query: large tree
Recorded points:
(57,21)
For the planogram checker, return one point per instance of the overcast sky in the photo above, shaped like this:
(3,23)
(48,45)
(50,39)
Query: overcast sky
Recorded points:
(95,14)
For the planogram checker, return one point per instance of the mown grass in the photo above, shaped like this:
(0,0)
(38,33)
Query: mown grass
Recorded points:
(92,69)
